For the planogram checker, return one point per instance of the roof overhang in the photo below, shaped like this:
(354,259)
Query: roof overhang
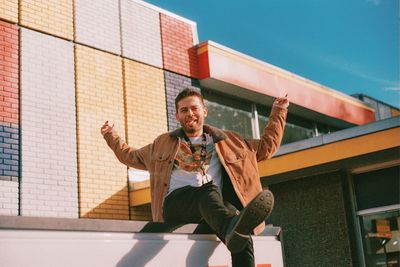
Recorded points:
(353,150)
(225,70)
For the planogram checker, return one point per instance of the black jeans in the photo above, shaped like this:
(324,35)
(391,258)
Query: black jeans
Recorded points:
(206,206)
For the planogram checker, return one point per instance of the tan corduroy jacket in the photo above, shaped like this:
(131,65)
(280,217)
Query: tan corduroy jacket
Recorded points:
(238,156)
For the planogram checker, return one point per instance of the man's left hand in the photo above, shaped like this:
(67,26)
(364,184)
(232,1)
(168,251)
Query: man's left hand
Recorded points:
(282,102)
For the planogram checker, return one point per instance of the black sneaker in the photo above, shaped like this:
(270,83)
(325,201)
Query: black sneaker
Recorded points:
(242,225)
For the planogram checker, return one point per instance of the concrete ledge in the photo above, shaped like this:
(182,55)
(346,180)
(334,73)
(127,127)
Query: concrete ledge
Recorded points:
(93,225)
(66,224)
(104,249)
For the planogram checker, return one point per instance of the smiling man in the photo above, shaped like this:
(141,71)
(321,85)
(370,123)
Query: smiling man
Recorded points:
(201,174)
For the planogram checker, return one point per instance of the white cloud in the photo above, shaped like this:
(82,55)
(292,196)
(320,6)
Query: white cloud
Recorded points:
(375,2)
(354,69)
(395,88)
(341,63)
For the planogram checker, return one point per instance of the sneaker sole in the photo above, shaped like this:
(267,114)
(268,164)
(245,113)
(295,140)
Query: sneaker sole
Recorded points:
(255,213)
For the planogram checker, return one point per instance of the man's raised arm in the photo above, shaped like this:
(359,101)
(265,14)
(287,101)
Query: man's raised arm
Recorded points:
(273,131)
(136,158)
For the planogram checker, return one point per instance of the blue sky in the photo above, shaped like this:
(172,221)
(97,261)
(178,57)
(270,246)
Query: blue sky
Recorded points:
(348,45)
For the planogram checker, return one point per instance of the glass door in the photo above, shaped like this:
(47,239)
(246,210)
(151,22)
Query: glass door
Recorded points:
(381,237)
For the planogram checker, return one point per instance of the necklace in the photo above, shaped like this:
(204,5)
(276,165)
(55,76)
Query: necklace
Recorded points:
(202,157)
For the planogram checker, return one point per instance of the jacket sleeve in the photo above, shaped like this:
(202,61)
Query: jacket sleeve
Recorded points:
(272,135)
(135,158)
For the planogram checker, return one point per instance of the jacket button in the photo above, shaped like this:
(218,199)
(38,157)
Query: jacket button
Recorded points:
(165,184)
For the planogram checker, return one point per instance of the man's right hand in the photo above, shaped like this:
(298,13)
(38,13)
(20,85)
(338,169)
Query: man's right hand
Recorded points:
(106,128)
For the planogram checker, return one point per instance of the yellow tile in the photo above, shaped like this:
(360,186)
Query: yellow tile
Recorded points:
(145,103)
(99,98)
(51,16)
(9,10)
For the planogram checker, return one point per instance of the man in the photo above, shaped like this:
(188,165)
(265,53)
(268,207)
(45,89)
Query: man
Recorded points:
(201,174)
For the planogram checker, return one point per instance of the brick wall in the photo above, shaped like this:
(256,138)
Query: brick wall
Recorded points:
(102,178)
(51,16)
(145,103)
(174,83)
(81,84)
(48,132)
(177,46)
(8,198)
(9,10)
(97,24)
(141,38)
(9,119)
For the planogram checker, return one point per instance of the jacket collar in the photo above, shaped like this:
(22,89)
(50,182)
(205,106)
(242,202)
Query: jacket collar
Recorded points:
(216,134)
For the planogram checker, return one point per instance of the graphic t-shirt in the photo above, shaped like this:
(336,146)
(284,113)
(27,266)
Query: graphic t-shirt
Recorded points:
(187,170)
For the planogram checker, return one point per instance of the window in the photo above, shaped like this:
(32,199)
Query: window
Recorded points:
(229,114)
(377,188)
(378,204)
(249,119)
(381,238)
(296,128)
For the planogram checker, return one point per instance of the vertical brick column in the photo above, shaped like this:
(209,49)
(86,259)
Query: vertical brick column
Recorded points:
(9,116)
(102,178)
(48,127)
(51,16)
(97,24)
(145,103)
(146,115)
(141,39)
(177,46)
(9,10)
(174,83)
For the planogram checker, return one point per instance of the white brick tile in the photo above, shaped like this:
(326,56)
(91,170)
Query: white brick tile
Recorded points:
(97,24)
(141,38)
(8,198)
(48,131)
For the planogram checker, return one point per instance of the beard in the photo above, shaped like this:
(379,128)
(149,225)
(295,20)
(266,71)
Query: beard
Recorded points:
(193,127)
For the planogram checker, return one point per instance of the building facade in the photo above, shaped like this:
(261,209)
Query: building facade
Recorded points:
(67,66)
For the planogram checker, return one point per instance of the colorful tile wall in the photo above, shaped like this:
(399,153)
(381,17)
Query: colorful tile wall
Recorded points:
(48,127)
(102,178)
(9,10)
(54,17)
(141,39)
(174,83)
(145,102)
(8,198)
(113,69)
(177,46)
(97,24)
(9,119)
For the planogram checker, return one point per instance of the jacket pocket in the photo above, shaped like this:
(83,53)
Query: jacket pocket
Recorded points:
(161,163)
(234,158)
(241,168)
(161,157)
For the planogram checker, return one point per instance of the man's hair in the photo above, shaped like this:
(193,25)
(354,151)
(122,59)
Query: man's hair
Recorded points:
(189,91)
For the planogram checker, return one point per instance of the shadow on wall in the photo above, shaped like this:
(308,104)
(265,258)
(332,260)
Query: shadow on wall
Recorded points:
(146,249)
(193,62)
(115,207)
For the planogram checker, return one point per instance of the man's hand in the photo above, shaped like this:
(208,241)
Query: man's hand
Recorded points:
(282,102)
(106,128)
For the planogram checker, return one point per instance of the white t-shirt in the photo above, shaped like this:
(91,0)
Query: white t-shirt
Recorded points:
(186,170)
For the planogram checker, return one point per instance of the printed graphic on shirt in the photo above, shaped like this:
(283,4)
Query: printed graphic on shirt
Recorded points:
(185,160)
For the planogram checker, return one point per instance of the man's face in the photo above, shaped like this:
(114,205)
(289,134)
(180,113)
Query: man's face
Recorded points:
(191,113)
